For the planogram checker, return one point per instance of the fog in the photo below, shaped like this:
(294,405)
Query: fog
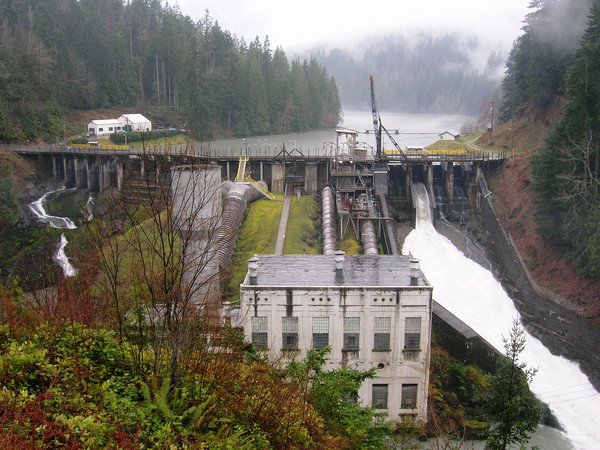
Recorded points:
(296,26)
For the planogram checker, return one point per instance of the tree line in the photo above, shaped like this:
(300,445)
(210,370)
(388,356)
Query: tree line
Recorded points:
(556,62)
(59,55)
(419,74)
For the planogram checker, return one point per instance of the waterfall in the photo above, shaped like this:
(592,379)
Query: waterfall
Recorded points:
(472,294)
(60,257)
(89,206)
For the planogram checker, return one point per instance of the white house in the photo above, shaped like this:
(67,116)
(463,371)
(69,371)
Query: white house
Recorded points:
(372,311)
(134,122)
(104,127)
(449,136)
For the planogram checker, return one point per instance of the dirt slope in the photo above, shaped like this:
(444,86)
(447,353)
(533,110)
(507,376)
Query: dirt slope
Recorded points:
(514,203)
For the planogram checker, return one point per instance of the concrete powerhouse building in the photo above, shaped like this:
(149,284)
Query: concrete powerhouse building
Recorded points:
(373,311)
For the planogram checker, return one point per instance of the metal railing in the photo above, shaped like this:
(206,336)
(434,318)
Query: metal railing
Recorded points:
(266,152)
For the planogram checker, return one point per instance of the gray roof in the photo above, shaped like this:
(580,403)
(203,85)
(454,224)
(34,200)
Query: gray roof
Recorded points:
(319,271)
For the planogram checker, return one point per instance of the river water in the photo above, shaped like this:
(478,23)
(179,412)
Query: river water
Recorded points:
(39,210)
(472,293)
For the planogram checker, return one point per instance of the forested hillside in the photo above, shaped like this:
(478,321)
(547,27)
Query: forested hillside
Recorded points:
(61,55)
(420,73)
(549,194)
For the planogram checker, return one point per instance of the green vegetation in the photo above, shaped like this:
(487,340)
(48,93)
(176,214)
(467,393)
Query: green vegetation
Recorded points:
(350,244)
(258,234)
(68,385)
(302,235)
(566,170)
(555,69)
(515,409)
(143,137)
(149,55)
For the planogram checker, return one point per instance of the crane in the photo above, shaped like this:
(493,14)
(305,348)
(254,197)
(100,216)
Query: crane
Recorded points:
(378,127)
(376,120)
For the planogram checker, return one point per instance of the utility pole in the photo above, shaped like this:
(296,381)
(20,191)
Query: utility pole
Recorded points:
(492,119)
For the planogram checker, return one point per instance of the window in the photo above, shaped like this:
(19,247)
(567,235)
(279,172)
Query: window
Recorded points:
(351,333)
(379,396)
(289,335)
(320,332)
(409,396)
(382,328)
(259,331)
(100,129)
(110,128)
(412,333)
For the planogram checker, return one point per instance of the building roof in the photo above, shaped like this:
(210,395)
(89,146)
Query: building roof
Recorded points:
(452,132)
(319,271)
(105,122)
(135,118)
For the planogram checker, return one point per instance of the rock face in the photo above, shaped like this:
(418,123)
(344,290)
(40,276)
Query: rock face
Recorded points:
(514,203)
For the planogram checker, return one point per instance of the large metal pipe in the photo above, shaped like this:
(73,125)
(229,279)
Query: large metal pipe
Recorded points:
(329,224)
(369,238)
(239,195)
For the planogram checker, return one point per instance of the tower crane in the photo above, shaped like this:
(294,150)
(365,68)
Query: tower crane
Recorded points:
(376,120)
(378,127)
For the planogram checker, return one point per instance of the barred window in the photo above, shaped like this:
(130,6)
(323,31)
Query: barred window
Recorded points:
(379,396)
(289,333)
(351,332)
(320,332)
(259,331)
(382,329)
(412,333)
(409,396)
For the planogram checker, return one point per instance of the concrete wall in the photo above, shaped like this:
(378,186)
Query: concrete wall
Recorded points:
(397,366)
(561,329)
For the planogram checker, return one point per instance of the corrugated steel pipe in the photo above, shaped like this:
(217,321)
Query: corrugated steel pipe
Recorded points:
(369,238)
(238,197)
(329,223)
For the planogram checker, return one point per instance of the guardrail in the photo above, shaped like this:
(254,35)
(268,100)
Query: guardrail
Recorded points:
(268,152)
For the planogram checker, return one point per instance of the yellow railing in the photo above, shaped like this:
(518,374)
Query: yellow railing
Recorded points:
(425,152)
(257,185)
(106,147)
(241,173)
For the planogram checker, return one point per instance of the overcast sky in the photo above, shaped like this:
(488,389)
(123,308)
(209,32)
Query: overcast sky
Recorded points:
(300,24)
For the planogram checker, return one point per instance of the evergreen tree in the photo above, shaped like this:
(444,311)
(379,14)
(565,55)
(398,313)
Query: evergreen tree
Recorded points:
(566,171)
(510,402)
(537,64)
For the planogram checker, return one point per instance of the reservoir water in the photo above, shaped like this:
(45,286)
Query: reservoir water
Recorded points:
(472,293)
(413,130)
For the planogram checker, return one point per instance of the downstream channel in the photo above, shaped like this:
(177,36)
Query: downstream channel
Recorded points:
(472,294)
(39,210)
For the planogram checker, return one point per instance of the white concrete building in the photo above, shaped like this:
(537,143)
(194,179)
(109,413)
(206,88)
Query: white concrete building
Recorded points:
(134,122)
(373,311)
(104,127)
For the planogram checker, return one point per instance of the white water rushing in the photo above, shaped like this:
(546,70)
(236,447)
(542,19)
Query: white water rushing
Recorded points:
(55,222)
(472,294)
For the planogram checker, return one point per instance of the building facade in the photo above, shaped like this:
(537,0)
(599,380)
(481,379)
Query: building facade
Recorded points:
(372,311)
(135,122)
(104,127)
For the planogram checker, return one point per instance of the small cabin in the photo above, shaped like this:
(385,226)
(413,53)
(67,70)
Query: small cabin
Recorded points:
(449,136)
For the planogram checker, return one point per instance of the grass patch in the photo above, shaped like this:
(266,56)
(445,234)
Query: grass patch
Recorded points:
(257,235)
(301,236)
(350,244)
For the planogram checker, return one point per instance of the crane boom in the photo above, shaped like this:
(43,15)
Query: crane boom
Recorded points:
(376,120)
